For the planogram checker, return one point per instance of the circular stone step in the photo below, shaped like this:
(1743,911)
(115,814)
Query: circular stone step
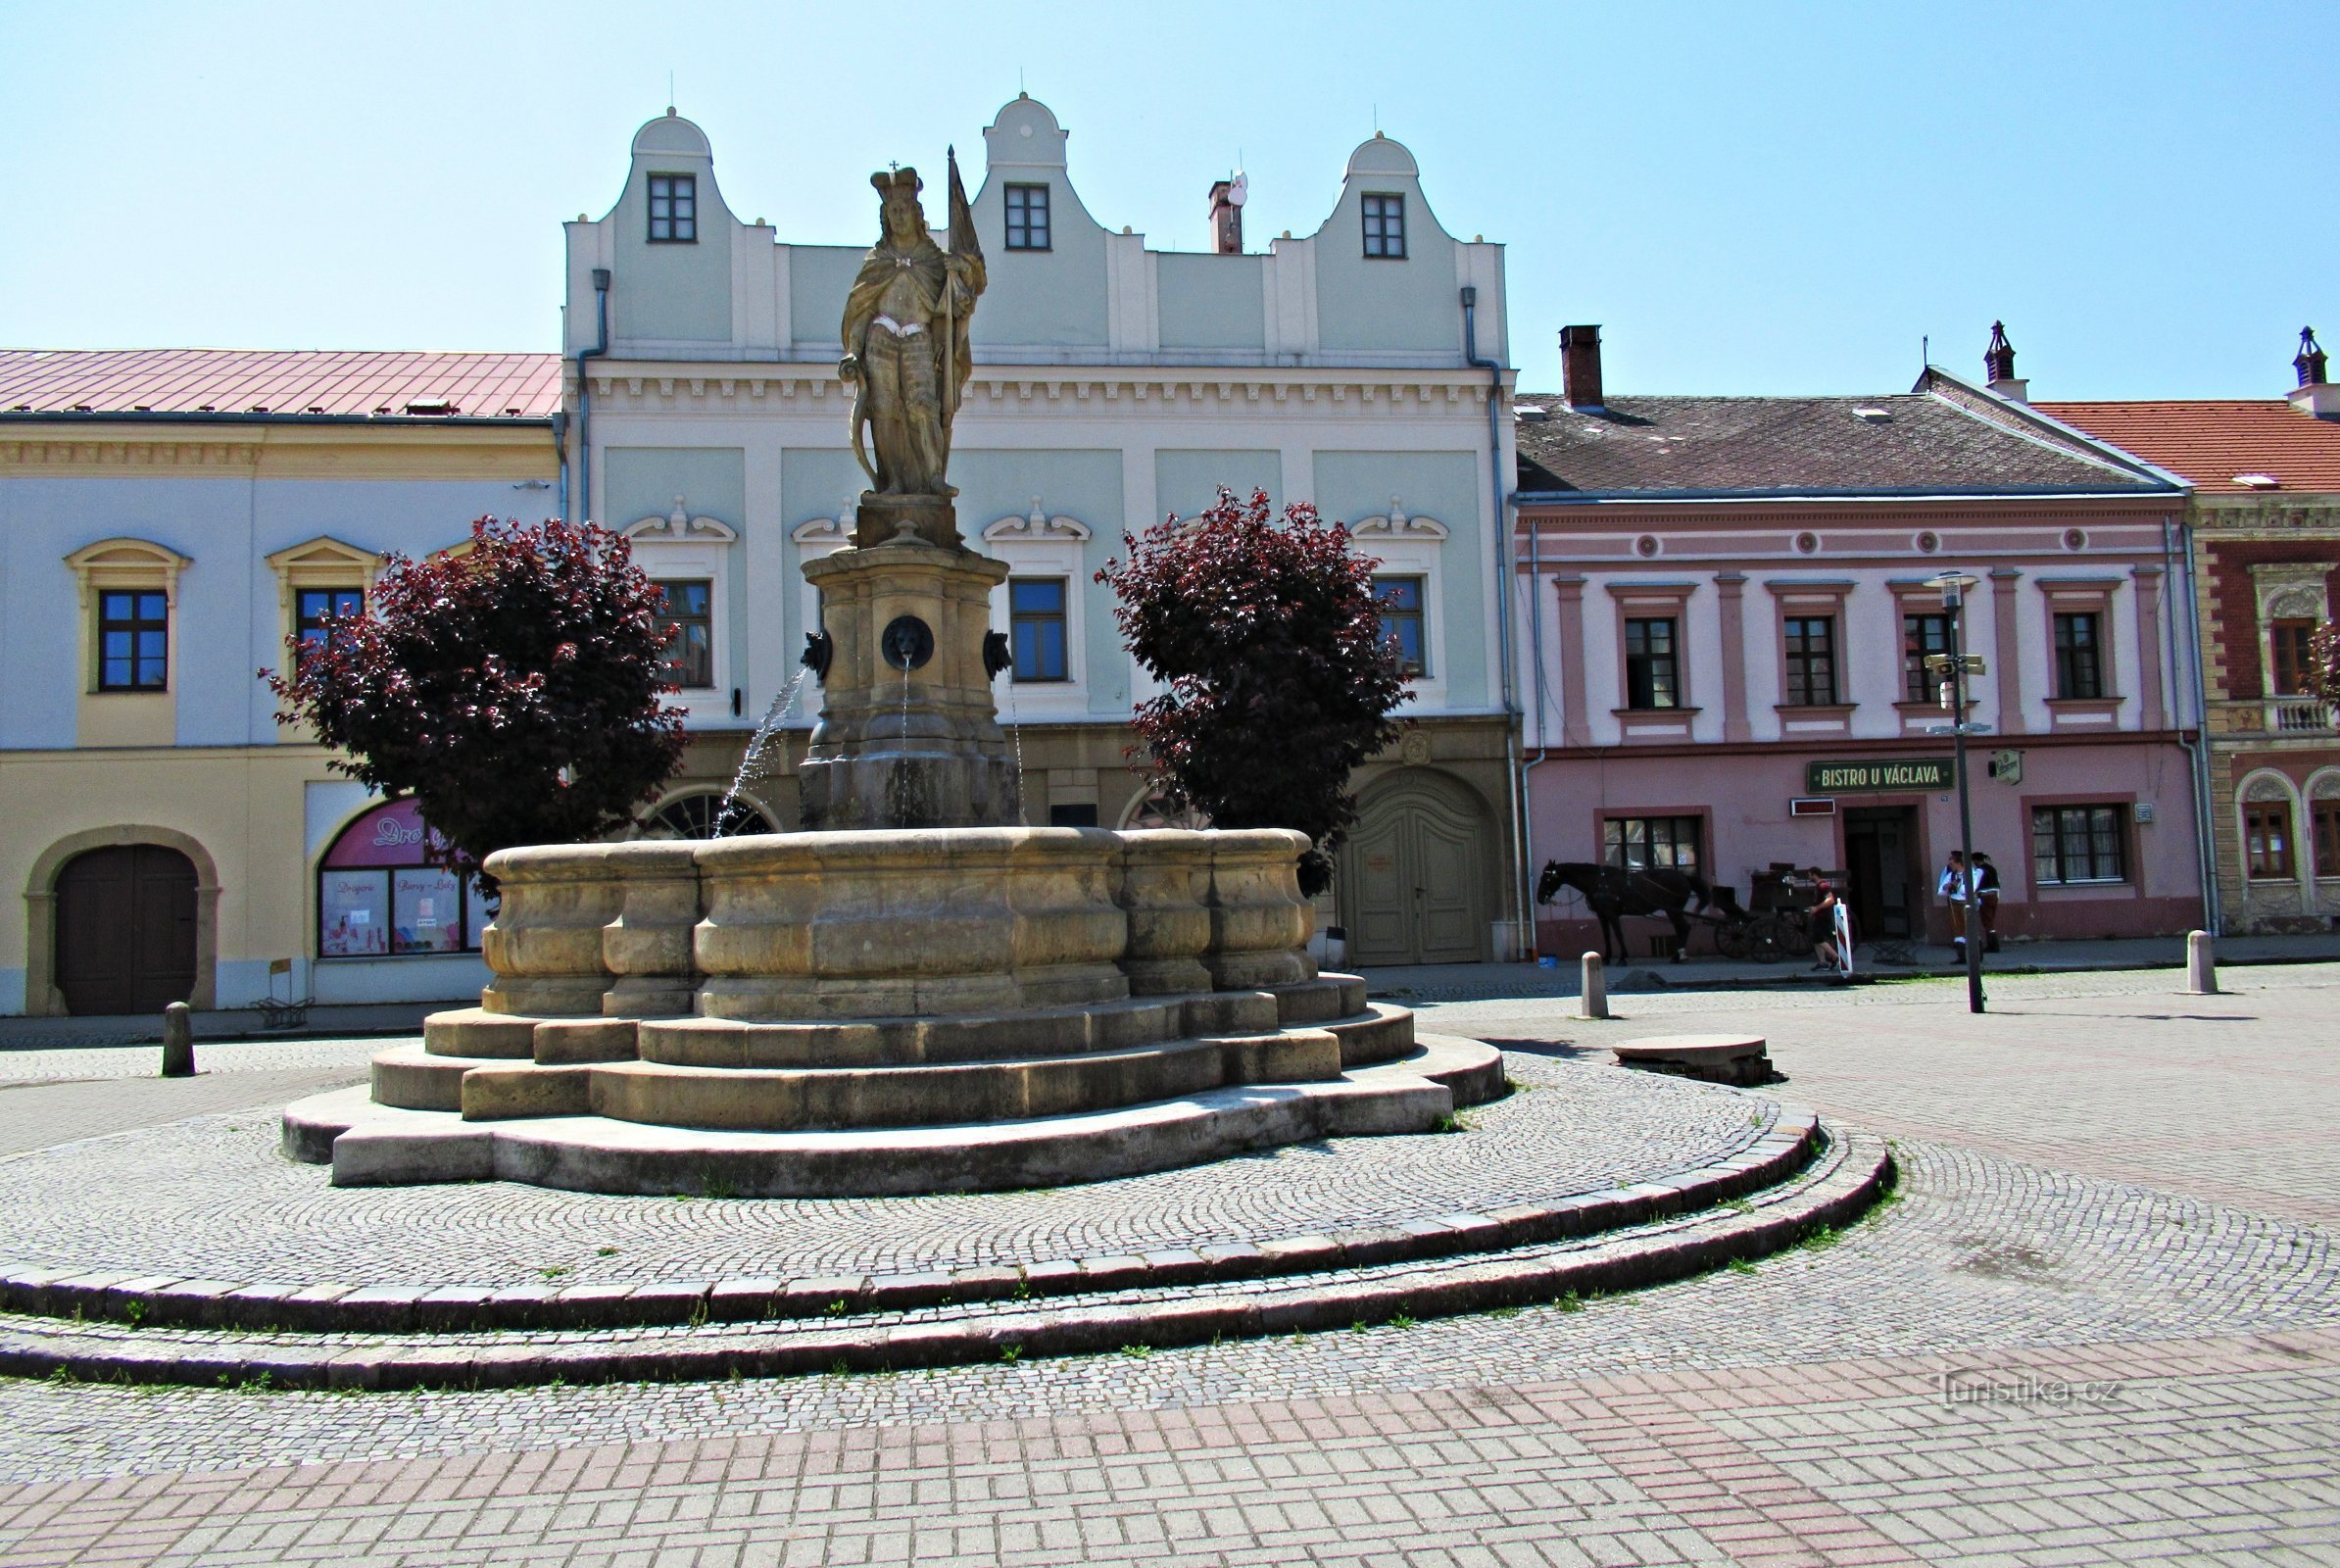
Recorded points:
(1717,1059)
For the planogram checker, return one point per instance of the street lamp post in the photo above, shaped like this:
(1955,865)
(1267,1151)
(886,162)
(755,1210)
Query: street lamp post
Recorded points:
(1954,586)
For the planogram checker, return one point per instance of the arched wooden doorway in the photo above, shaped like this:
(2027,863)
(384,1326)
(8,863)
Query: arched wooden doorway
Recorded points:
(1414,875)
(125,929)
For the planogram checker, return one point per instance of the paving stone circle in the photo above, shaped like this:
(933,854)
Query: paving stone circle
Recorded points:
(212,1197)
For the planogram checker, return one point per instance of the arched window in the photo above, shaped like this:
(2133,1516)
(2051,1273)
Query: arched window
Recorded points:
(705,816)
(377,896)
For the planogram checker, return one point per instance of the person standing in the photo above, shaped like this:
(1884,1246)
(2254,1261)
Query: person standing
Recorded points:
(1986,899)
(1955,886)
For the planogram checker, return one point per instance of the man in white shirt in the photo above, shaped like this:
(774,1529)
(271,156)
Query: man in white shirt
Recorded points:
(1955,886)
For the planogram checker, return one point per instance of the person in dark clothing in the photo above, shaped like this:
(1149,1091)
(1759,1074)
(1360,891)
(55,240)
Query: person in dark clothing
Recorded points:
(1986,896)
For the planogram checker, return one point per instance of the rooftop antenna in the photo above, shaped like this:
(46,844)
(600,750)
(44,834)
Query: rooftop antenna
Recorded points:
(1924,351)
(669,95)
(1020,89)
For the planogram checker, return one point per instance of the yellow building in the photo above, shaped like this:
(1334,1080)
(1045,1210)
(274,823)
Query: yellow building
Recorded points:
(168,520)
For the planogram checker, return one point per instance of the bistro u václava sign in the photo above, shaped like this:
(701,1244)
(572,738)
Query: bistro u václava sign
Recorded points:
(1894,773)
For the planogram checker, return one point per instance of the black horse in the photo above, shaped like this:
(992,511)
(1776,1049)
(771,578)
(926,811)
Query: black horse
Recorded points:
(1611,892)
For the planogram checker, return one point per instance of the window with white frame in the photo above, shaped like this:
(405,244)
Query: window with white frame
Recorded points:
(690,558)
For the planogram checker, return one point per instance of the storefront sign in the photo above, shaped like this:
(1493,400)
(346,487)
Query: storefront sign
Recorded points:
(1889,773)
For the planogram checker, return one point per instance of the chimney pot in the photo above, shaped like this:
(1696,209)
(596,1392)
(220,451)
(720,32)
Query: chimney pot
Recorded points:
(1226,219)
(1579,367)
(2314,396)
(1998,365)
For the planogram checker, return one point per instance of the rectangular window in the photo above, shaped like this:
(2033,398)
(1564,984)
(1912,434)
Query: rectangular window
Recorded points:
(1036,629)
(687,610)
(2079,659)
(2080,844)
(1028,218)
(1811,668)
(353,914)
(674,209)
(1385,227)
(1650,668)
(426,911)
(311,605)
(1400,602)
(2326,817)
(1646,843)
(133,640)
(2267,841)
(2291,642)
(1923,636)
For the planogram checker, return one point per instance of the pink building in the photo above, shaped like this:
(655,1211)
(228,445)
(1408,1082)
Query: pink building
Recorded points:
(1731,617)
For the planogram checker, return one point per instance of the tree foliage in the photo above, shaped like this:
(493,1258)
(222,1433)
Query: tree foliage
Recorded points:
(514,689)
(1278,680)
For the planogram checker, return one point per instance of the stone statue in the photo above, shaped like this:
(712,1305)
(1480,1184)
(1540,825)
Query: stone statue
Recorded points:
(906,343)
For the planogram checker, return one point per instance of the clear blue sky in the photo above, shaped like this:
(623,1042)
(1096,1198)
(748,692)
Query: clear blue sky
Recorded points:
(1748,197)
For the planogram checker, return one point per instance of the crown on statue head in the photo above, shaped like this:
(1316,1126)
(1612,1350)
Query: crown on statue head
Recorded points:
(903,180)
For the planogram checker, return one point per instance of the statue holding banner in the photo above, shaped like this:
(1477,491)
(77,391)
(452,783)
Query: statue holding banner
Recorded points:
(906,350)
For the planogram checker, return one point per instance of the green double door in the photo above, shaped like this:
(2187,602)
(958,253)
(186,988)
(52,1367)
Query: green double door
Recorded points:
(1413,882)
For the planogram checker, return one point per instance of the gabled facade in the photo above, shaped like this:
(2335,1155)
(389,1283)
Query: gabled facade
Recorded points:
(1114,384)
(1724,659)
(2265,523)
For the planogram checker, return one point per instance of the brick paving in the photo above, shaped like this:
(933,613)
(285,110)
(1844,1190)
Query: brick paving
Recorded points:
(2115,1339)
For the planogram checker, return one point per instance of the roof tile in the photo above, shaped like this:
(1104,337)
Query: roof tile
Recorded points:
(293,381)
(2210,441)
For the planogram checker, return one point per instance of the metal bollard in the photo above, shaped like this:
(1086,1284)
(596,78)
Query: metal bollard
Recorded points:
(2201,966)
(1594,989)
(179,1041)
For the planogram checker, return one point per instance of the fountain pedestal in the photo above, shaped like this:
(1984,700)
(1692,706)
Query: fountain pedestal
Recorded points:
(908,735)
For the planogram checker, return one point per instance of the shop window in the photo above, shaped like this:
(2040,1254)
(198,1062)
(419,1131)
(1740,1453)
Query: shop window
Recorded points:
(1400,600)
(2266,842)
(377,896)
(1385,227)
(2080,844)
(133,640)
(1028,218)
(2080,654)
(1651,671)
(1036,629)
(312,607)
(2290,657)
(2324,815)
(1811,661)
(686,610)
(674,209)
(1923,636)
(1649,843)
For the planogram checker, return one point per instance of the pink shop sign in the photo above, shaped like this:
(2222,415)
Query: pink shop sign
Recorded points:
(388,835)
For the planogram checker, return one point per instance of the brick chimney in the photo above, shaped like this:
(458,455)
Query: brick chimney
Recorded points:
(1998,365)
(1579,367)
(1226,219)
(2314,396)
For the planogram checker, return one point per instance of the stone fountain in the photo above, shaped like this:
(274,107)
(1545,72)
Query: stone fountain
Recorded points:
(914,995)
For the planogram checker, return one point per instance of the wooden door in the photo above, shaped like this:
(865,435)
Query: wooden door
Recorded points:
(125,929)
(1413,888)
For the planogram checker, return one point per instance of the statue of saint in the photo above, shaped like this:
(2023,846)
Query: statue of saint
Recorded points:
(905,338)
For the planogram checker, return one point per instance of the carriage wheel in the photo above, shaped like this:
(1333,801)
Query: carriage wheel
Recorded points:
(1735,941)
(1768,935)
(1799,944)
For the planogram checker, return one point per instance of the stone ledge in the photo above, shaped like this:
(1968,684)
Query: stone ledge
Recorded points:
(1846,1177)
(163,1301)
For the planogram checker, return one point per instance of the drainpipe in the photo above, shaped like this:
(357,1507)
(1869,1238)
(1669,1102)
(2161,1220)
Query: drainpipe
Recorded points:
(560,451)
(600,347)
(1515,780)
(2186,659)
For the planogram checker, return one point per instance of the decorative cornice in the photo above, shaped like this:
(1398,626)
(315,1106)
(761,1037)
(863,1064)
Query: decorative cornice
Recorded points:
(1078,388)
(678,527)
(1396,524)
(131,456)
(1037,527)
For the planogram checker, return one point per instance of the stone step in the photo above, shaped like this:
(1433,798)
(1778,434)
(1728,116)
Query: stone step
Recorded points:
(927,1095)
(1320,1000)
(1471,1070)
(417,1078)
(908,1042)
(1374,1032)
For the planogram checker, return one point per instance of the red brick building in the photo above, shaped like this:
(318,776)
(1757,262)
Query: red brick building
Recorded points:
(2264,520)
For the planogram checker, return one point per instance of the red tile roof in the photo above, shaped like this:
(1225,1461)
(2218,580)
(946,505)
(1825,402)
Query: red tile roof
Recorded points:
(2210,442)
(197,382)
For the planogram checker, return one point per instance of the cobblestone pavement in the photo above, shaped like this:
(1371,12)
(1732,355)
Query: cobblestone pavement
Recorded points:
(2141,1347)
(212,1197)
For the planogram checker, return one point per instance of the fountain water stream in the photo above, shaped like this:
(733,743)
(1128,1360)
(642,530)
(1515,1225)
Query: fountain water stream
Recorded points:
(774,717)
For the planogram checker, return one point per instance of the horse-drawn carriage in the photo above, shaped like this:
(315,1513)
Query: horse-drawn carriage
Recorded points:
(1774,923)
